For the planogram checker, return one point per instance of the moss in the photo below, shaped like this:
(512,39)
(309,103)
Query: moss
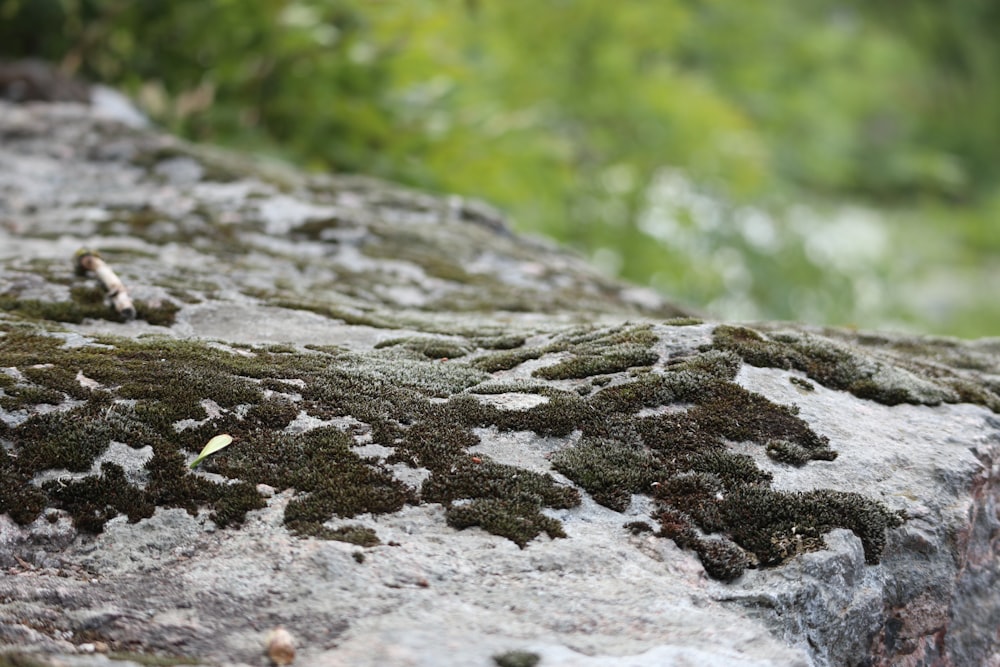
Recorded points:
(22,659)
(776,525)
(507,342)
(19,499)
(711,418)
(92,501)
(432,348)
(21,396)
(561,415)
(802,384)
(722,559)
(516,659)
(233,502)
(419,250)
(886,378)
(638,527)
(752,346)
(467,479)
(162,313)
(515,386)
(520,521)
(609,470)
(86,303)
(646,392)
(613,360)
(789,452)
(503,361)
(57,379)
(334,480)
(58,311)
(677,453)
(354,534)
(63,440)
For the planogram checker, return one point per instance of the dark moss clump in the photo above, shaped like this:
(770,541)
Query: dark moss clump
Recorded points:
(682,454)
(92,501)
(507,359)
(609,470)
(772,525)
(752,347)
(594,352)
(64,440)
(508,342)
(164,382)
(795,454)
(638,527)
(161,313)
(503,499)
(20,396)
(887,378)
(334,480)
(516,659)
(776,525)
(19,499)
(22,659)
(801,383)
(359,535)
(721,558)
(86,303)
(598,364)
(701,430)
(172,396)
(520,521)
(487,479)
(432,348)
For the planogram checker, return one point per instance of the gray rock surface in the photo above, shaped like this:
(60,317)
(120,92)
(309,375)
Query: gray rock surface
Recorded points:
(425,307)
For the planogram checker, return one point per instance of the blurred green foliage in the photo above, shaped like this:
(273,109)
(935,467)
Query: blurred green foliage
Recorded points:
(830,161)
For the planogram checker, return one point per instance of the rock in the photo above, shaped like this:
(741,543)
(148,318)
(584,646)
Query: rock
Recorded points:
(452,445)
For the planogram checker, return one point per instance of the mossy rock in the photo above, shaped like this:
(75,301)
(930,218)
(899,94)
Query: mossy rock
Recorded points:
(316,318)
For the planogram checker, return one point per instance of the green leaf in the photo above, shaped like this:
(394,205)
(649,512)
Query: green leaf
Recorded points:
(214,445)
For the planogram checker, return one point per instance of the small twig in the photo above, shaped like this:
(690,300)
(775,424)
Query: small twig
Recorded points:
(88,261)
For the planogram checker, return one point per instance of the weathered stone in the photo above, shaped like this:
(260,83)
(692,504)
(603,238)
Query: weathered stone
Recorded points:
(398,369)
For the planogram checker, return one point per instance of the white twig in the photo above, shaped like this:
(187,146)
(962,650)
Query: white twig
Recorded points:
(88,261)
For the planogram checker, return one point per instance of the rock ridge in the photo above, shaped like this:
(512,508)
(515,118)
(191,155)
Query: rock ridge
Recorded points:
(453,445)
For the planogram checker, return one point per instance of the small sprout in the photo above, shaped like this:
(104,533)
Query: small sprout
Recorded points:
(214,445)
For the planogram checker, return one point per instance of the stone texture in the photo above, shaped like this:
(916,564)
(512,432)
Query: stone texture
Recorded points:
(414,291)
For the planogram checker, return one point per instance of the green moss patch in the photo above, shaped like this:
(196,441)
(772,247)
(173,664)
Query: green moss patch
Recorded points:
(86,303)
(152,392)
(912,374)
(662,433)
(516,659)
(610,470)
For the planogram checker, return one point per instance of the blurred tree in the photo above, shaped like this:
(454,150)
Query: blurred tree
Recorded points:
(665,139)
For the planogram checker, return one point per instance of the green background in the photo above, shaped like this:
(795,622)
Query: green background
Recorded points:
(823,161)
